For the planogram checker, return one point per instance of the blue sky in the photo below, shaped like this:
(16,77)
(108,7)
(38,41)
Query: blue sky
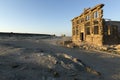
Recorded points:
(48,16)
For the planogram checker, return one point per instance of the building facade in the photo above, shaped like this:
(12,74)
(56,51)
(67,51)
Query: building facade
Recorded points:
(90,27)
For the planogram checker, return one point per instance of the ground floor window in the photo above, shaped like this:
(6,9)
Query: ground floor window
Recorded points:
(96,30)
(88,30)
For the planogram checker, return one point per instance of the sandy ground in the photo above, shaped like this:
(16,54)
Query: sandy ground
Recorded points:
(39,59)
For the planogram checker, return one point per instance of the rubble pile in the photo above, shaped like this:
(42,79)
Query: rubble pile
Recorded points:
(115,49)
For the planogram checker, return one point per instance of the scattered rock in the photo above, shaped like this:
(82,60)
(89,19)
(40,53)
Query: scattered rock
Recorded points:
(78,61)
(88,69)
(67,56)
(103,48)
(117,47)
(111,49)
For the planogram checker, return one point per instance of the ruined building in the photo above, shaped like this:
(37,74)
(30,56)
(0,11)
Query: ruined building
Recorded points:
(91,28)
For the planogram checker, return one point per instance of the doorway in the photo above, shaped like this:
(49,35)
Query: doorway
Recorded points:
(81,36)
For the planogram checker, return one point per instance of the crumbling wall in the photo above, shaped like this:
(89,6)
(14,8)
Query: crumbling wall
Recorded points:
(88,26)
(91,28)
(111,34)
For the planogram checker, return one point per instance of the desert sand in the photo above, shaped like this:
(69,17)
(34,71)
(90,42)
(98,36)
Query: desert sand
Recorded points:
(41,58)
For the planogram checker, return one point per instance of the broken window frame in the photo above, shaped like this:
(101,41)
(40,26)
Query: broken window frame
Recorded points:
(77,21)
(96,30)
(95,14)
(87,30)
(82,20)
(87,18)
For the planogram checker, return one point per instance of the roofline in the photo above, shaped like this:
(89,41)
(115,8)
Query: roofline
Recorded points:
(89,9)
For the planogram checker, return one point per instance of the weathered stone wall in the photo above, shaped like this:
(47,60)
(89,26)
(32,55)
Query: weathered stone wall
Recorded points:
(96,40)
(111,34)
(83,26)
(90,27)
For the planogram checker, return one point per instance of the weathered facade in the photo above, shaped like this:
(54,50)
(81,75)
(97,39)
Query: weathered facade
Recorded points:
(90,27)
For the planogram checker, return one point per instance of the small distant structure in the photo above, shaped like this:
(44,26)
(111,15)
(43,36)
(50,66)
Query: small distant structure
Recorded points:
(63,35)
(92,28)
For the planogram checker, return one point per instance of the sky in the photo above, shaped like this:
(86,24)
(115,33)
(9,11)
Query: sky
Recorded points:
(49,16)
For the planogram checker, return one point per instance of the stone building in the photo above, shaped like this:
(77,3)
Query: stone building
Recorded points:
(92,28)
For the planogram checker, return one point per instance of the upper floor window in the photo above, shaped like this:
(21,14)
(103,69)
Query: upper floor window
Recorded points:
(77,21)
(96,22)
(87,17)
(82,20)
(96,14)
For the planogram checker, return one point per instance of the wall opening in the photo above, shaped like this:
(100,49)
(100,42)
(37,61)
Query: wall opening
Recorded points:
(96,30)
(81,36)
(88,30)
